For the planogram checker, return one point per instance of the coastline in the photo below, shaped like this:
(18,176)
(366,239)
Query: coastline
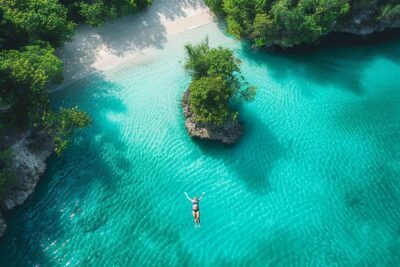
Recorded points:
(114,44)
(314,174)
(31,151)
(129,38)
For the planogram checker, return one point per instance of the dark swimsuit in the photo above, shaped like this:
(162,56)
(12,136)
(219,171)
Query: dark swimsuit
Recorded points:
(196,203)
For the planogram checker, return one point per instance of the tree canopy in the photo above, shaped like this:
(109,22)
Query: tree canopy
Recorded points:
(95,12)
(24,74)
(290,22)
(216,81)
(28,20)
(61,123)
(7,176)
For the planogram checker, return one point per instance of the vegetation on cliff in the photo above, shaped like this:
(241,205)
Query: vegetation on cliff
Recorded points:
(290,22)
(7,175)
(216,82)
(29,32)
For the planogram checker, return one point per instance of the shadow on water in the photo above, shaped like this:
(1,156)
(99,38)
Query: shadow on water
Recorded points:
(372,205)
(371,117)
(62,206)
(253,158)
(376,120)
(128,34)
(337,39)
(68,179)
(370,193)
(276,246)
(340,62)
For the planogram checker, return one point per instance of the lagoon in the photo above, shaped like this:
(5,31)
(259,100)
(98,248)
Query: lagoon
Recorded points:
(315,180)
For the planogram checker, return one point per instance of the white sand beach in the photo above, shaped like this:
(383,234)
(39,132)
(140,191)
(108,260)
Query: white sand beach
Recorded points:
(128,38)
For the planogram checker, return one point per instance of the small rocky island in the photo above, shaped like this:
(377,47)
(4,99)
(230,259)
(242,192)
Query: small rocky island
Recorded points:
(216,82)
(228,133)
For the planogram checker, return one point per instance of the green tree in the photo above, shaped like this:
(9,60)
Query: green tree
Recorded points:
(38,20)
(94,13)
(282,22)
(215,5)
(390,12)
(205,61)
(216,81)
(61,124)
(7,176)
(24,74)
(209,100)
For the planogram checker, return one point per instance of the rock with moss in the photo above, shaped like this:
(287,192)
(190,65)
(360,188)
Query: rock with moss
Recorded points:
(29,163)
(216,84)
(228,133)
(3,224)
(367,20)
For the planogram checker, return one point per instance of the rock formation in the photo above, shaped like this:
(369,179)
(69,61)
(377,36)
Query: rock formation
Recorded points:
(228,133)
(364,22)
(3,224)
(31,152)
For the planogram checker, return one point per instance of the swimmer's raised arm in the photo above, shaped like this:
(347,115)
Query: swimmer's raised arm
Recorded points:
(188,197)
(202,195)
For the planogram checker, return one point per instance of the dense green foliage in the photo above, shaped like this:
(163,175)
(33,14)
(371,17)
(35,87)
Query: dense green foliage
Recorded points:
(60,125)
(54,21)
(216,81)
(390,12)
(95,12)
(209,97)
(26,20)
(290,22)
(7,175)
(24,74)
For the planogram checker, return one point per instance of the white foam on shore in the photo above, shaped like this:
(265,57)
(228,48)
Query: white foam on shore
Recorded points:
(129,38)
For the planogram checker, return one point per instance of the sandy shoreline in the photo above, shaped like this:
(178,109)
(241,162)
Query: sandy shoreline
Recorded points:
(129,38)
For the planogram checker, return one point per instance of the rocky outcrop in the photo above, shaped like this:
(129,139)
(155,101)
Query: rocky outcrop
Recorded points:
(3,224)
(31,152)
(364,22)
(31,149)
(228,133)
(361,23)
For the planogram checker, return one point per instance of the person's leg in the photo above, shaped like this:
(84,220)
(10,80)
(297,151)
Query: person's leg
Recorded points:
(194,217)
(198,218)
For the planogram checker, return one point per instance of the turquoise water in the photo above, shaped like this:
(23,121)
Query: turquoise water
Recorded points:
(315,180)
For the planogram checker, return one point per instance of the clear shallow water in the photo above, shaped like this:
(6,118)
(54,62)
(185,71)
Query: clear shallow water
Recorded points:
(315,181)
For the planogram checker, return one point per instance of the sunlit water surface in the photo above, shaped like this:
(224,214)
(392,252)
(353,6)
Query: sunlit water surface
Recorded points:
(315,180)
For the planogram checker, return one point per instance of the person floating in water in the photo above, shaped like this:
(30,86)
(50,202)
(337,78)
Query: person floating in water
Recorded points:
(195,208)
